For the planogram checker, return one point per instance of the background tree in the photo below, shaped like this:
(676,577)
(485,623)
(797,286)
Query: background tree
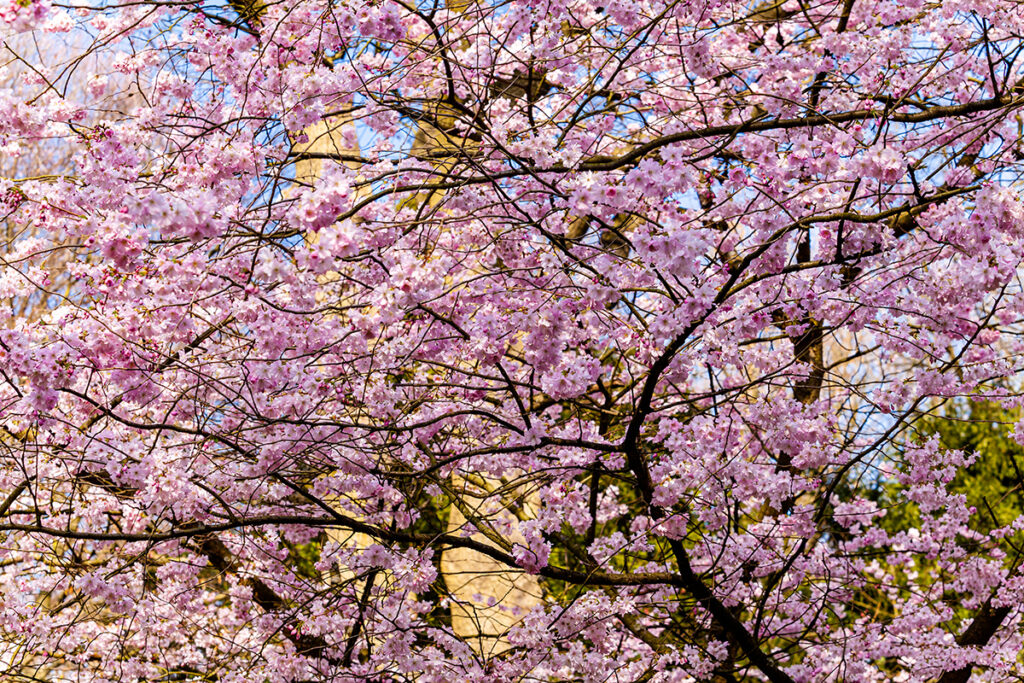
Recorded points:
(643,300)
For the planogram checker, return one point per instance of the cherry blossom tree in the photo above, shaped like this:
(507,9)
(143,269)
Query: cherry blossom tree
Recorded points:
(509,341)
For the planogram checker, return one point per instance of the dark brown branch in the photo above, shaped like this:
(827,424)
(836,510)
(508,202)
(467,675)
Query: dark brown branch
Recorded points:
(985,624)
(593,578)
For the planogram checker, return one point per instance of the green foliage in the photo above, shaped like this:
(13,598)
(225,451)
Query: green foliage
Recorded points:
(994,483)
(304,556)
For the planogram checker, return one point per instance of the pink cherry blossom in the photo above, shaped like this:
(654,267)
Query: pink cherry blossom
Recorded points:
(533,340)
